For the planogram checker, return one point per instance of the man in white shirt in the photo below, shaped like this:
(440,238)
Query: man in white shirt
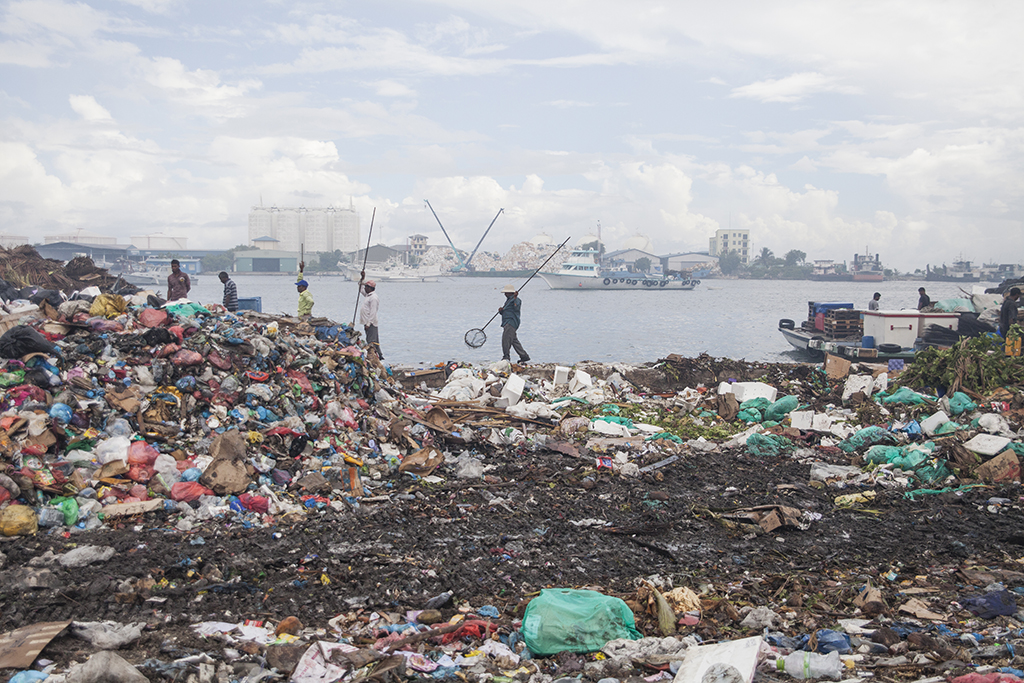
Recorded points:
(368,316)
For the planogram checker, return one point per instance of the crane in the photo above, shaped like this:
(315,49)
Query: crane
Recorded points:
(462,265)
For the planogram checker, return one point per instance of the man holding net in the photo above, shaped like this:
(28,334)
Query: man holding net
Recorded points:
(510,324)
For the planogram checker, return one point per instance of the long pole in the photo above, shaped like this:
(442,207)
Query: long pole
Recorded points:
(366,255)
(462,265)
(482,238)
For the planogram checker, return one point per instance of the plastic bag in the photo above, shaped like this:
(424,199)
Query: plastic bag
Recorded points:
(760,404)
(141,453)
(153,317)
(18,520)
(768,444)
(749,415)
(866,437)
(784,406)
(114,448)
(108,305)
(961,403)
(905,396)
(567,620)
(69,507)
(188,491)
(22,340)
(187,357)
(832,641)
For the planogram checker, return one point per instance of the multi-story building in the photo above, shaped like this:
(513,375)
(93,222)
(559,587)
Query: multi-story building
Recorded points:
(728,239)
(313,230)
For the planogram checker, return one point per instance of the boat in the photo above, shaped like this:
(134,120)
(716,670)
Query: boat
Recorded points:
(960,271)
(397,272)
(829,271)
(866,268)
(153,272)
(840,329)
(583,270)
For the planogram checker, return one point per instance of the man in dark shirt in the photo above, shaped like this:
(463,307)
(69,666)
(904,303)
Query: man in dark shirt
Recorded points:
(510,325)
(230,292)
(925,300)
(178,284)
(1008,311)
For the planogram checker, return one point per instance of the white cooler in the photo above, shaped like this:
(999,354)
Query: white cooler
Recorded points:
(903,327)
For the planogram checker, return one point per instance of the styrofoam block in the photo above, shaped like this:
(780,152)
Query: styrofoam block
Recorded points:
(987,444)
(930,424)
(882,382)
(581,380)
(801,419)
(561,374)
(513,389)
(821,423)
(724,388)
(855,383)
(746,391)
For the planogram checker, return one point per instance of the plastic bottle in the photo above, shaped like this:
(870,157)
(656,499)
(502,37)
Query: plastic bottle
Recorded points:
(803,664)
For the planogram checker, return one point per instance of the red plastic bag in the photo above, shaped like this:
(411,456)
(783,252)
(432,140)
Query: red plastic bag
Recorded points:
(255,503)
(153,317)
(188,491)
(166,350)
(177,332)
(140,473)
(141,453)
(186,357)
(218,361)
(139,491)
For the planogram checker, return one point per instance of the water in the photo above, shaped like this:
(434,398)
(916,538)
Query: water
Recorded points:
(424,323)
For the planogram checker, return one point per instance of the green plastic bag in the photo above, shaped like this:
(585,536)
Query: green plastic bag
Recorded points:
(961,403)
(569,620)
(903,395)
(768,444)
(781,408)
(624,421)
(868,436)
(760,404)
(69,506)
(946,428)
(749,415)
(882,455)
(10,379)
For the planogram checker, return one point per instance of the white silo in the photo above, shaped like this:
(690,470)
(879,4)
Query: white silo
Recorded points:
(288,229)
(346,230)
(317,230)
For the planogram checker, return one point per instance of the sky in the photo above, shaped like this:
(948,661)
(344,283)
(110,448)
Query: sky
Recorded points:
(828,127)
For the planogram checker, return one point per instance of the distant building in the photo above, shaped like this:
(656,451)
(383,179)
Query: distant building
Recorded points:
(158,241)
(418,245)
(268,243)
(689,261)
(80,237)
(629,257)
(312,230)
(103,255)
(11,241)
(266,261)
(726,240)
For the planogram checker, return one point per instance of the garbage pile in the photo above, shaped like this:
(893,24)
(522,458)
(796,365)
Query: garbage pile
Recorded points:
(191,494)
(23,273)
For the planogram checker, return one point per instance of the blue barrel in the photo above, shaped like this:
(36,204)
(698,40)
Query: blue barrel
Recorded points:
(867,342)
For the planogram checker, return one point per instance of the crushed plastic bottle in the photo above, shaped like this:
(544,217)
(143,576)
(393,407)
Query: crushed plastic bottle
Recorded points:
(802,664)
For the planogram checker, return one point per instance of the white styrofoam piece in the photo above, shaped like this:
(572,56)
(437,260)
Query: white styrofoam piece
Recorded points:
(741,654)
(581,380)
(987,444)
(609,428)
(801,419)
(724,388)
(561,374)
(930,424)
(855,383)
(821,422)
(746,391)
(513,389)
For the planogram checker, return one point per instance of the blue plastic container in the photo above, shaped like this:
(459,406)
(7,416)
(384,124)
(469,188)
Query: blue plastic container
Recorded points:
(867,342)
(252,303)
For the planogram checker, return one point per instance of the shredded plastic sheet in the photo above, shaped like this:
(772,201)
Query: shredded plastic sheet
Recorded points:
(781,408)
(903,396)
(768,444)
(917,493)
(868,436)
(961,403)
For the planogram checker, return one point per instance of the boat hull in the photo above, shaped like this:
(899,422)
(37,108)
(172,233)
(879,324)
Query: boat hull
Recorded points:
(868,277)
(403,275)
(562,281)
(816,345)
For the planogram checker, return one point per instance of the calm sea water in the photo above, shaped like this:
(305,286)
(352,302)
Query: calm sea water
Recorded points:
(424,323)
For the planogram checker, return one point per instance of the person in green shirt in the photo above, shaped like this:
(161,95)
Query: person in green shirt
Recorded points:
(305,298)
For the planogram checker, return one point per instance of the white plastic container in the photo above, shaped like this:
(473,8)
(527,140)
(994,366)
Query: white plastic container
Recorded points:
(802,664)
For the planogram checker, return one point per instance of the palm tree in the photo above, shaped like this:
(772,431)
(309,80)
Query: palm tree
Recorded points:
(766,257)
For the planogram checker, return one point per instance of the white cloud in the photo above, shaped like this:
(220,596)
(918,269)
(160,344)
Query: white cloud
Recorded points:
(88,108)
(792,88)
(389,88)
(566,104)
(199,89)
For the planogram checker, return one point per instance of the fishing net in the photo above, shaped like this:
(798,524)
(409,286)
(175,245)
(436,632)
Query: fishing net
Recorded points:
(475,338)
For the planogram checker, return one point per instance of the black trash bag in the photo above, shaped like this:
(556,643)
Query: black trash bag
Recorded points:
(22,340)
(38,376)
(50,296)
(155,301)
(8,292)
(155,336)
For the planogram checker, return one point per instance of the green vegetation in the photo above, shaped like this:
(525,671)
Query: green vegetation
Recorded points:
(978,364)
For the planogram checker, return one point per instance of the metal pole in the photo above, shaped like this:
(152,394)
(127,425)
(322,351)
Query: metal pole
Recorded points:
(457,255)
(470,259)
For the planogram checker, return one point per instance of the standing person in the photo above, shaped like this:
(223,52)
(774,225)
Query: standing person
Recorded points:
(873,304)
(924,300)
(178,284)
(510,324)
(368,313)
(1008,311)
(305,298)
(230,292)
